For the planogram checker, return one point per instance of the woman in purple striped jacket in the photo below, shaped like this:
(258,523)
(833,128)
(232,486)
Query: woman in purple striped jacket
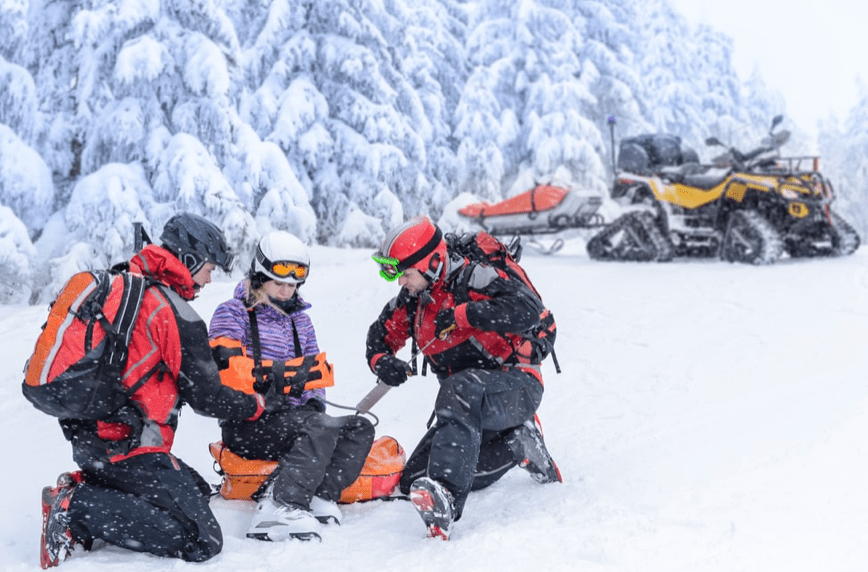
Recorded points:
(318,455)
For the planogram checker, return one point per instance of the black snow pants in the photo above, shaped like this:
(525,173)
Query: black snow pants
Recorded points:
(148,503)
(317,454)
(466,449)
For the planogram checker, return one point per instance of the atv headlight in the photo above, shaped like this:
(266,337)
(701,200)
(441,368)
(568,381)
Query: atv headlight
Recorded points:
(790,194)
(798,210)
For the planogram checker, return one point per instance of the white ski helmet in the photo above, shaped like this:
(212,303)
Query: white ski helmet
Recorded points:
(280,256)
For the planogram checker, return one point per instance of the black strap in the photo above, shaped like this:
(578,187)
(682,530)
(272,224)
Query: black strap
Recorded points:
(302,375)
(160,366)
(121,330)
(555,360)
(131,303)
(259,385)
(298,388)
(414,351)
(411,305)
(296,342)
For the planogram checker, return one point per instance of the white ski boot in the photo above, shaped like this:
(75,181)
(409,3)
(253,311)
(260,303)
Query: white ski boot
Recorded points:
(276,522)
(325,511)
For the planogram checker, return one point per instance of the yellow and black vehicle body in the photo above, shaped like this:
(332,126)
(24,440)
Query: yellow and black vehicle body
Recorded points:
(746,208)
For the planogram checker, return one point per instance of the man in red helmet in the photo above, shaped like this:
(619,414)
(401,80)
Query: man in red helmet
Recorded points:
(467,319)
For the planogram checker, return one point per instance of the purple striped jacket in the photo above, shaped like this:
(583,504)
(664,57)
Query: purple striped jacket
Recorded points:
(275,332)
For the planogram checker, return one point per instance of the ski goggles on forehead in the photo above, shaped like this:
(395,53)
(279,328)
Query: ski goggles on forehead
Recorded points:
(388,267)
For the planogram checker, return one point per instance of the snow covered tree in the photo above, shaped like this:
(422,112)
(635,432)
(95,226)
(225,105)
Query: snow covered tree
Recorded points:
(691,87)
(103,207)
(175,85)
(761,104)
(326,86)
(522,115)
(672,97)
(431,56)
(720,89)
(25,181)
(149,85)
(13,28)
(607,50)
(52,56)
(19,107)
(189,179)
(16,258)
(844,151)
(268,187)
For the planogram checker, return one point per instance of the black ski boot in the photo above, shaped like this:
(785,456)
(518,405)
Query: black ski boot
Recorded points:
(527,444)
(435,506)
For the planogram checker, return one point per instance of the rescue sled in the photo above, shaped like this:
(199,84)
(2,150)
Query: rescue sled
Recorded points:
(545,209)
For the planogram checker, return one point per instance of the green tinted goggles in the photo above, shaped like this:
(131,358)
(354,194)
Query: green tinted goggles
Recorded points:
(388,267)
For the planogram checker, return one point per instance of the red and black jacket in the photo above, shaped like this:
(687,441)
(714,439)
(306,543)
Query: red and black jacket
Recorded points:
(170,358)
(492,311)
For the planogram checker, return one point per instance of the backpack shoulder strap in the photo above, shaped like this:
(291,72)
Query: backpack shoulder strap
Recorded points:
(131,304)
(461,283)
(135,287)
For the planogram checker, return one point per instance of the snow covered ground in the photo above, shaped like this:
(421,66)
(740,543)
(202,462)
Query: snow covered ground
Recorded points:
(709,417)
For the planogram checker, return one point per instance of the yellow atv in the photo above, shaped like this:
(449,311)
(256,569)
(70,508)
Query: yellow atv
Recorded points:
(746,207)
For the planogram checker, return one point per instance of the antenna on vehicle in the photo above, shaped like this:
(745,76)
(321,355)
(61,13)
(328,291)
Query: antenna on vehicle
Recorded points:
(140,237)
(611,121)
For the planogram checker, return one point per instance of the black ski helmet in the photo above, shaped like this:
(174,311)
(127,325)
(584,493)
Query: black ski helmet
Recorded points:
(195,241)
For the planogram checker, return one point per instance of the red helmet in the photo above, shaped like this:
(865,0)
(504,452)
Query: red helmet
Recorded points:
(419,244)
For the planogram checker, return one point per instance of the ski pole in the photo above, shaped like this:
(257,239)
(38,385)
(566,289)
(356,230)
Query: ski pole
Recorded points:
(382,389)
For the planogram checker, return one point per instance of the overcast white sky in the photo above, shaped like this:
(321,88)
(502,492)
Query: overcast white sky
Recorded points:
(811,52)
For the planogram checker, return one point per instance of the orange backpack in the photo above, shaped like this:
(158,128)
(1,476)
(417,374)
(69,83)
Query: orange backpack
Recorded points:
(241,478)
(76,367)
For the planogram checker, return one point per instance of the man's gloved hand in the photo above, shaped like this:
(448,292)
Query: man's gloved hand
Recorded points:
(392,371)
(274,400)
(312,404)
(444,323)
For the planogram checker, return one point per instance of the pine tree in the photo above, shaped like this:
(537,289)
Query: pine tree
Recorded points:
(844,161)
(521,116)
(143,84)
(326,84)
(670,98)
(16,259)
(608,51)
(13,29)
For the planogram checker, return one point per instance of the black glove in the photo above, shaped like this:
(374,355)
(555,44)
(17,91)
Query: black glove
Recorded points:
(444,323)
(274,400)
(312,405)
(392,371)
